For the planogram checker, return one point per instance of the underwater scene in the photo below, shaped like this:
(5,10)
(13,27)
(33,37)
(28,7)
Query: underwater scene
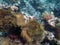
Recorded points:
(29,22)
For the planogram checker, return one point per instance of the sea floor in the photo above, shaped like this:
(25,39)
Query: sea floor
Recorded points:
(7,41)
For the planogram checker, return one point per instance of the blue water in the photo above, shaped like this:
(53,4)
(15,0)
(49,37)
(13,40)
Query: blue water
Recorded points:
(1,1)
(35,7)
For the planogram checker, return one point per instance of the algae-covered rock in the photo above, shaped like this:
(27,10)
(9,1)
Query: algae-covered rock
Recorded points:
(57,25)
(20,21)
(7,19)
(34,31)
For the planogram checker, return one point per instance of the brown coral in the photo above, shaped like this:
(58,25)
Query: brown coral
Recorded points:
(6,18)
(33,30)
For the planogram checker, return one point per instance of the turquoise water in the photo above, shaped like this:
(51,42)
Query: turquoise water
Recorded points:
(35,7)
(1,1)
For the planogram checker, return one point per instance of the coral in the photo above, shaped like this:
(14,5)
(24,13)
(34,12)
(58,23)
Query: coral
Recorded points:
(7,19)
(34,30)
